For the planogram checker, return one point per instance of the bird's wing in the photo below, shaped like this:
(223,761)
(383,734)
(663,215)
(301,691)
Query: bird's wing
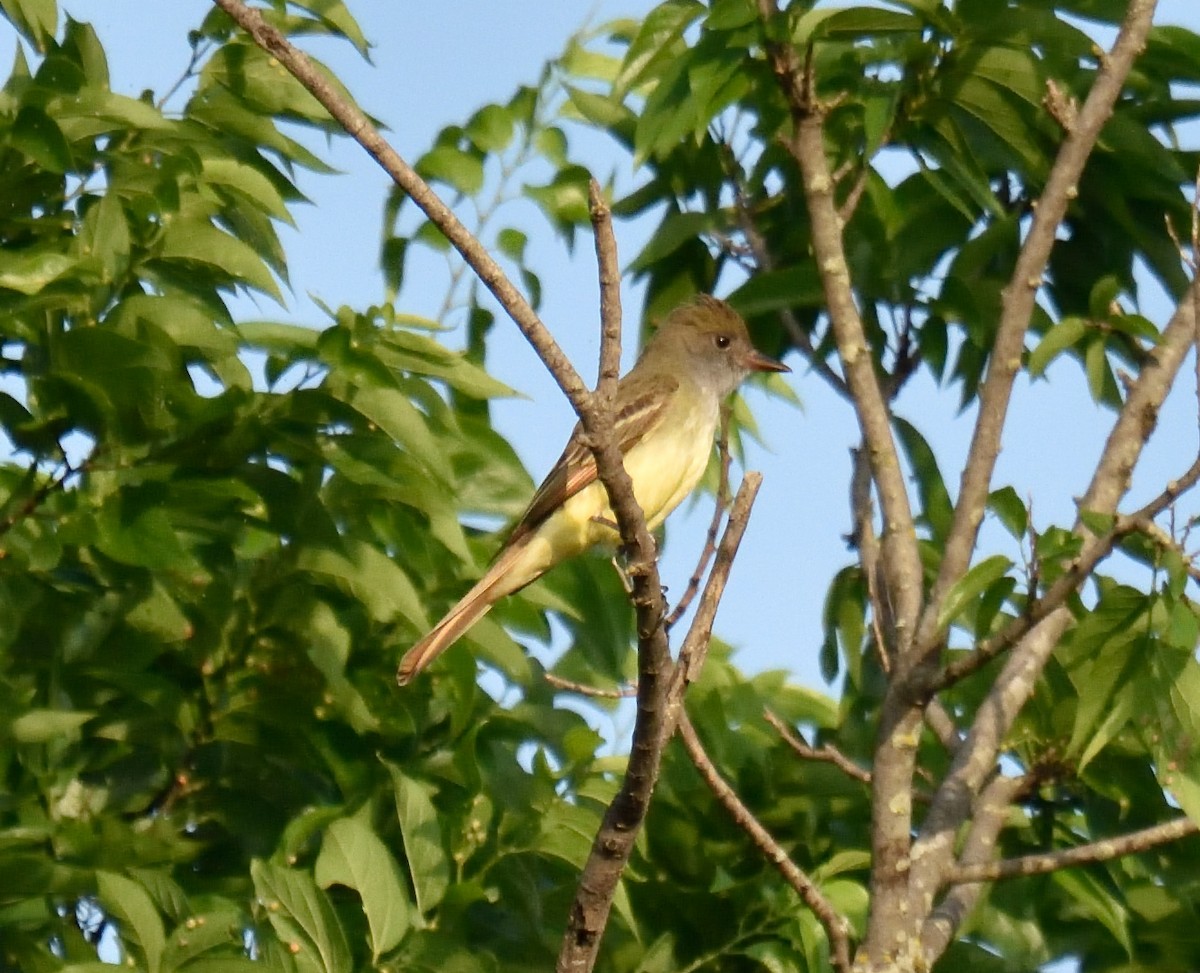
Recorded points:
(640,407)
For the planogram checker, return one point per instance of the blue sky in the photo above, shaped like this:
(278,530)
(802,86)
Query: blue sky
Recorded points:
(433,64)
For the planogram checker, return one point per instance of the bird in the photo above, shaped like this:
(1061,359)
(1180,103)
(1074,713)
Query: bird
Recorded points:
(666,412)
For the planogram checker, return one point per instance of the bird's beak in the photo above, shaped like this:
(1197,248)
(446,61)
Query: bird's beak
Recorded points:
(756,361)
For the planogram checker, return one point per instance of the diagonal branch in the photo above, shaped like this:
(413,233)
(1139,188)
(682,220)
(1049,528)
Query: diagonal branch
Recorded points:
(990,815)
(623,819)
(359,127)
(824,753)
(1078,571)
(975,760)
(595,412)
(1018,300)
(836,926)
(1089,854)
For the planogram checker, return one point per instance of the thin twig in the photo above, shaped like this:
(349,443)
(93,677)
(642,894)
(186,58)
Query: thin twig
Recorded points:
(39,496)
(1096,549)
(825,753)
(610,293)
(583,689)
(837,928)
(1089,854)
(694,650)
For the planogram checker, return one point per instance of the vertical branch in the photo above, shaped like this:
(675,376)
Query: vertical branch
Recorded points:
(660,696)
(900,725)
(610,294)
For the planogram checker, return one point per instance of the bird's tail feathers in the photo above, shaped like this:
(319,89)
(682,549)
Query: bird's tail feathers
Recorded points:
(471,607)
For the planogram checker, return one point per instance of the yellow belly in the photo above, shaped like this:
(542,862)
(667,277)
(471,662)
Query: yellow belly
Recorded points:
(664,471)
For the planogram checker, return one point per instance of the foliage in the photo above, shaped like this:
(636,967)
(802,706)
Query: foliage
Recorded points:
(217,536)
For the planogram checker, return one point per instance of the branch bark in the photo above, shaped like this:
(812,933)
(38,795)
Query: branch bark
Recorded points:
(660,695)
(900,724)
(1089,854)
(625,814)
(976,758)
(1018,299)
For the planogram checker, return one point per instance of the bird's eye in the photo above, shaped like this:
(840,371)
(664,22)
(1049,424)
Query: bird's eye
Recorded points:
(721,341)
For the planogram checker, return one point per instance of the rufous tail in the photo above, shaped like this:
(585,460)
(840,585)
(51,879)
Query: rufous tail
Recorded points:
(476,603)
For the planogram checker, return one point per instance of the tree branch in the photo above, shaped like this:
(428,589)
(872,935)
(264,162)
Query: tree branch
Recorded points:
(624,816)
(824,753)
(901,560)
(976,758)
(895,757)
(991,812)
(610,294)
(1017,304)
(360,128)
(836,926)
(1089,854)
(766,262)
(1078,571)
(660,695)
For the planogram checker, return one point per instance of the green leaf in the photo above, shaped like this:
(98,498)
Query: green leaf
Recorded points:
(852,22)
(428,867)
(210,942)
(777,290)
(674,231)
(138,919)
(250,183)
(371,576)
(35,19)
(335,15)
(491,128)
(653,43)
(1170,722)
(1009,508)
(935,499)
(354,856)
(199,242)
(970,586)
(393,412)
(30,271)
(1067,333)
(302,918)
(461,170)
(1096,898)
(46,725)
(601,111)
(38,136)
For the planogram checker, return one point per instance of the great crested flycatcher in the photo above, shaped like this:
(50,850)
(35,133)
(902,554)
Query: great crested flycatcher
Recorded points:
(666,414)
